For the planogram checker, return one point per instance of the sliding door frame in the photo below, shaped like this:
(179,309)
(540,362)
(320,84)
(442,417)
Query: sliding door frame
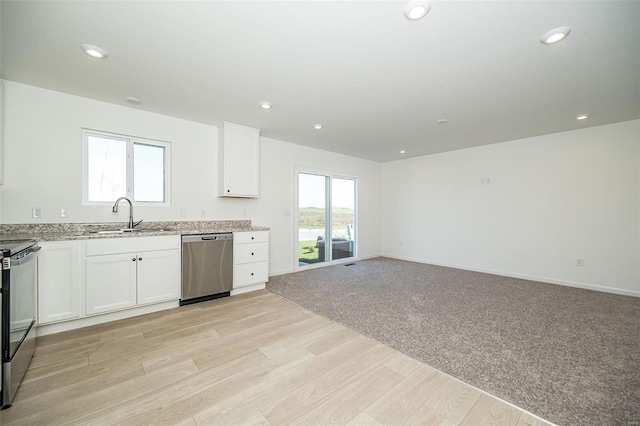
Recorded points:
(329,207)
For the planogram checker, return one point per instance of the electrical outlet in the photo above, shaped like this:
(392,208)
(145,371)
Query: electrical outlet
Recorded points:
(244,213)
(36,212)
(204,213)
(579,261)
(64,212)
(183,213)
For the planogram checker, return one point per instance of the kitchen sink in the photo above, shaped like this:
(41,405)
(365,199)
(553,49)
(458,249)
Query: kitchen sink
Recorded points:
(127,230)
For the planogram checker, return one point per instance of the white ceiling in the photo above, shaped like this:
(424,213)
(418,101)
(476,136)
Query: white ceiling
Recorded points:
(377,81)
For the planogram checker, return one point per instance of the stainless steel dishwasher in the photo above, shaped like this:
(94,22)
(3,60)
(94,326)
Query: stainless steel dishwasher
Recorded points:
(207,267)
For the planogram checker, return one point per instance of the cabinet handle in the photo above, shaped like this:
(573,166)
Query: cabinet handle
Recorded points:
(133,260)
(252,238)
(228,190)
(252,274)
(251,254)
(139,258)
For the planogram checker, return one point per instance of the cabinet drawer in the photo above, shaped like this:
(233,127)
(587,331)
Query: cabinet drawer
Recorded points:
(246,253)
(250,273)
(132,245)
(251,237)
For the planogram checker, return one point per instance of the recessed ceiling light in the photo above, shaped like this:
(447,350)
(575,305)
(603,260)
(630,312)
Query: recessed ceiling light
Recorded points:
(266,105)
(442,121)
(555,35)
(403,151)
(94,51)
(582,116)
(417,9)
(133,100)
(317,126)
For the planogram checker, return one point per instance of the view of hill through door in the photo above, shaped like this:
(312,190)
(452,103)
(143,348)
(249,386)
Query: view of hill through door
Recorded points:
(326,207)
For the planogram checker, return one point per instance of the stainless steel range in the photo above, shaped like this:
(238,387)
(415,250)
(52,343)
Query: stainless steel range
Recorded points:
(18,337)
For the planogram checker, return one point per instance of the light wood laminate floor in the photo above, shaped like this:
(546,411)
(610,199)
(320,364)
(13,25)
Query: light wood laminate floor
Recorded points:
(250,359)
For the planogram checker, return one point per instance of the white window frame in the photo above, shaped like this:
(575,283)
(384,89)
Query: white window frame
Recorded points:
(130,140)
(296,228)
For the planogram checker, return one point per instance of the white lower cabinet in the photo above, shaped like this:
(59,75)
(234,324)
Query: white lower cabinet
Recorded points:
(111,282)
(59,289)
(78,281)
(158,276)
(250,260)
(128,272)
(250,273)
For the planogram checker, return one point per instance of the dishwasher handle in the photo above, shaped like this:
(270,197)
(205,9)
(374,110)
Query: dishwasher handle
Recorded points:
(206,237)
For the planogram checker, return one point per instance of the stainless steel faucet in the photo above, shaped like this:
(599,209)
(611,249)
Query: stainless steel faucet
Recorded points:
(115,210)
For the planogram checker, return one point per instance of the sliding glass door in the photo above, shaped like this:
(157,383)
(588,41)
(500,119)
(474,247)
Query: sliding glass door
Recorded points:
(326,218)
(343,217)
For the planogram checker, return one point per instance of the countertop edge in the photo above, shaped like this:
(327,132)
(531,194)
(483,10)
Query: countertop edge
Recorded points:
(82,236)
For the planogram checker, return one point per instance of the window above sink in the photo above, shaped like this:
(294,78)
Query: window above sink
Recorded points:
(115,165)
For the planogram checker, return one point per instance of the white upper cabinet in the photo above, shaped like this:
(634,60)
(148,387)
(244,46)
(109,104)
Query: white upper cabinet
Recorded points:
(240,161)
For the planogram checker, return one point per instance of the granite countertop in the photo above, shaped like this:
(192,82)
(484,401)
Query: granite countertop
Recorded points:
(90,231)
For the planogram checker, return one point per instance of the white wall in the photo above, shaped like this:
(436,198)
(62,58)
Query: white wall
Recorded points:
(278,161)
(550,200)
(43,168)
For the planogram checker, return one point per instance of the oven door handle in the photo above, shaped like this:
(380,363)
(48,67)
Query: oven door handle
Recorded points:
(27,258)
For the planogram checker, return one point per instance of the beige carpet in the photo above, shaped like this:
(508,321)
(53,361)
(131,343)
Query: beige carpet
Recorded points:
(568,355)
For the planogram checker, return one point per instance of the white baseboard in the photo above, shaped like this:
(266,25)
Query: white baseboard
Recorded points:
(547,280)
(286,271)
(290,271)
(370,256)
(59,327)
(247,289)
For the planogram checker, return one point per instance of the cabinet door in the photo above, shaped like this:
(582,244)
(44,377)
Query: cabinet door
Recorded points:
(1,128)
(241,161)
(111,282)
(58,281)
(158,276)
